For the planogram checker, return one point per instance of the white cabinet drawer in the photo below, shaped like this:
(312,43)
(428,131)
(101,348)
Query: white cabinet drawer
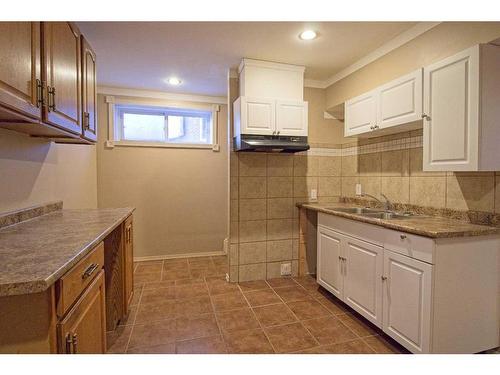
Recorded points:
(418,247)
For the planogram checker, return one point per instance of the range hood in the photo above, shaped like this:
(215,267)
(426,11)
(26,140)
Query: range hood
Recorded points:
(269,143)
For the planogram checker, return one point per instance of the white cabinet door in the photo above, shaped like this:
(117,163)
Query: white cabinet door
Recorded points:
(360,114)
(451,102)
(329,263)
(257,116)
(400,101)
(291,118)
(362,279)
(407,301)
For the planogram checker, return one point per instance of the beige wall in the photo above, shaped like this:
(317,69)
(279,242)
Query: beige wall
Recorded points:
(441,41)
(180,195)
(34,171)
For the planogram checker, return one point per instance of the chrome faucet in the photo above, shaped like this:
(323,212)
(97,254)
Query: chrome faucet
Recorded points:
(388,205)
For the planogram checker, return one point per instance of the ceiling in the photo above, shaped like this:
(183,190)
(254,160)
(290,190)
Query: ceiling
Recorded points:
(142,55)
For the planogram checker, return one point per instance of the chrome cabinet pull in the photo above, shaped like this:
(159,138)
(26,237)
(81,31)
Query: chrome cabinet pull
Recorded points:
(90,270)
(402,236)
(51,91)
(39,94)
(426,117)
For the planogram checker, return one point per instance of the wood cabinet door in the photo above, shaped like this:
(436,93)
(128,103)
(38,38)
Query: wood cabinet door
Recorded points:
(451,102)
(329,261)
(407,301)
(89,92)
(62,74)
(83,330)
(128,260)
(400,101)
(20,79)
(257,116)
(291,118)
(360,114)
(362,278)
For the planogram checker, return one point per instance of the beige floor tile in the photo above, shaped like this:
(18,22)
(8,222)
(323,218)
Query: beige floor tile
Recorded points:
(191,291)
(168,348)
(203,345)
(193,306)
(158,295)
(273,315)
(281,282)
(290,338)
(350,347)
(248,342)
(233,320)
(329,330)
(360,326)
(153,334)
(148,268)
(293,293)
(229,301)
(248,286)
(219,285)
(117,340)
(150,312)
(191,327)
(262,297)
(308,309)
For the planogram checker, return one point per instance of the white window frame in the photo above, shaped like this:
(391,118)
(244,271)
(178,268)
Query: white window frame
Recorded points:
(114,127)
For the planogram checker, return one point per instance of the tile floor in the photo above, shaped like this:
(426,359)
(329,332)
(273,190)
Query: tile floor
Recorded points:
(186,306)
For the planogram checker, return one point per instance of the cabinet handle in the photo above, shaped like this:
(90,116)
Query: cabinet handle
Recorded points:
(383,278)
(51,98)
(375,127)
(39,94)
(278,132)
(89,271)
(426,117)
(371,127)
(75,343)
(86,120)
(69,342)
(402,236)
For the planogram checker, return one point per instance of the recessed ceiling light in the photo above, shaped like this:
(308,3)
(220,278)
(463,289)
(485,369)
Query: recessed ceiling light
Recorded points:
(308,35)
(174,81)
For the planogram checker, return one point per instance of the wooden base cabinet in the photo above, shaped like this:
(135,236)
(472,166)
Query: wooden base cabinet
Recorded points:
(83,330)
(430,295)
(128,256)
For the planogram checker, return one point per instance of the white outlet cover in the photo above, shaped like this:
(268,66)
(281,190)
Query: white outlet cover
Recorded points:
(286,269)
(358,189)
(314,194)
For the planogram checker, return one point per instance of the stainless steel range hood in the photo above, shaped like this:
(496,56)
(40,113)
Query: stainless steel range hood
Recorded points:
(269,143)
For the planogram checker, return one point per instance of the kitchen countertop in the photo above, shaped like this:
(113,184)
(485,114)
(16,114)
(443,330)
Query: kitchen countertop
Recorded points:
(428,226)
(37,252)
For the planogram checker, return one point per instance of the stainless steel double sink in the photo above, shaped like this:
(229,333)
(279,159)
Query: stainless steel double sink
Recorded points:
(375,213)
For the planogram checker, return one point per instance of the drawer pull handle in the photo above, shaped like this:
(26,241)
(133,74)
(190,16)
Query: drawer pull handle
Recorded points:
(383,278)
(402,236)
(89,271)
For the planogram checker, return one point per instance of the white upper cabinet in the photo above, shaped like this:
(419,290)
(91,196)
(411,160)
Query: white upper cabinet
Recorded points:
(390,108)
(361,114)
(254,116)
(400,101)
(291,117)
(462,111)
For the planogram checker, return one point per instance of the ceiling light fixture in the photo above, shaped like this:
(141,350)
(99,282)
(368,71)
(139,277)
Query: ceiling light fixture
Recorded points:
(308,35)
(174,81)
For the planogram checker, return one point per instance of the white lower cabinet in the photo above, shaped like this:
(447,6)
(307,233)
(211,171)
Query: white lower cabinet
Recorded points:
(407,301)
(432,295)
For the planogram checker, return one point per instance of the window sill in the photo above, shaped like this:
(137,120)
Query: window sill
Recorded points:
(112,144)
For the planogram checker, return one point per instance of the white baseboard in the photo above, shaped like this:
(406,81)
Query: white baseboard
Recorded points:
(172,256)
(226,246)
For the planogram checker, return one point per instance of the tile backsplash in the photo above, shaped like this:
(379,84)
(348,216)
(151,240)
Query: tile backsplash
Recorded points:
(266,187)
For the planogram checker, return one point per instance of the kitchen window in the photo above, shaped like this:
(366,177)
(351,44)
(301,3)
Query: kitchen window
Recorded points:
(169,126)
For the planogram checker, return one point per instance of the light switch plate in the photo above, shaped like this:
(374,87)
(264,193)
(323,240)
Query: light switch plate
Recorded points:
(286,269)
(358,189)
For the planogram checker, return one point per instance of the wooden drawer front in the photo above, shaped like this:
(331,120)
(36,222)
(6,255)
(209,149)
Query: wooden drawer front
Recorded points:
(73,283)
(418,247)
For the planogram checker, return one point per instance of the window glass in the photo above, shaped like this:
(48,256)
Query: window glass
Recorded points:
(143,127)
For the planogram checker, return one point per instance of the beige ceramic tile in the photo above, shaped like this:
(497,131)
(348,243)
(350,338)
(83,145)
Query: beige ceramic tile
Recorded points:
(329,166)
(252,209)
(396,163)
(305,165)
(251,272)
(428,191)
(295,268)
(234,209)
(274,269)
(350,165)
(279,250)
(280,208)
(497,193)
(233,190)
(470,193)
(349,186)
(295,249)
(280,165)
(233,254)
(279,229)
(252,164)
(329,186)
(302,186)
(279,187)
(416,163)
(233,164)
(371,185)
(253,187)
(370,164)
(234,231)
(233,274)
(397,189)
(252,252)
(251,231)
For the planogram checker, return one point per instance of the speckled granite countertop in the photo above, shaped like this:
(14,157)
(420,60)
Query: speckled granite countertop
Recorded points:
(428,226)
(36,253)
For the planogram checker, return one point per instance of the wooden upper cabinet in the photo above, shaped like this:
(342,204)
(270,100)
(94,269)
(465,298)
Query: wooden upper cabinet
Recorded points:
(20,68)
(62,75)
(89,92)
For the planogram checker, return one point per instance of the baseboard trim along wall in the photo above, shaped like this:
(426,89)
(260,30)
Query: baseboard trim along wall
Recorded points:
(172,256)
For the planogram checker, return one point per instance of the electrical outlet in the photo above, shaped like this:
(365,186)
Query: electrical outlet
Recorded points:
(314,194)
(286,269)
(358,189)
